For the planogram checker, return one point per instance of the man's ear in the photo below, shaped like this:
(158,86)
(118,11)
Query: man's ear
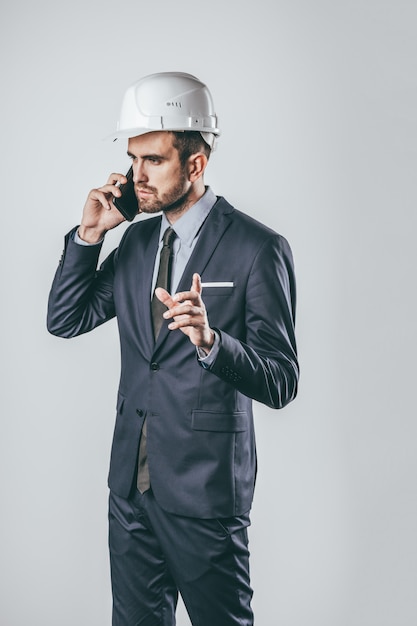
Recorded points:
(197,163)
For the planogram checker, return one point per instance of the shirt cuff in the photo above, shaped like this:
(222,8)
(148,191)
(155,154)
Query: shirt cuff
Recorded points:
(207,359)
(77,239)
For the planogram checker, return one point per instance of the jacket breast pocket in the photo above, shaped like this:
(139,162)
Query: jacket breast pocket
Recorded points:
(217,291)
(220,422)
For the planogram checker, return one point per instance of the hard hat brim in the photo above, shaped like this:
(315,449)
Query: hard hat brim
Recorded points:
(128,133)
(210,137)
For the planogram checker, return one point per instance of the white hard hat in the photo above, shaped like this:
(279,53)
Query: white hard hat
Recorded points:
(167,101)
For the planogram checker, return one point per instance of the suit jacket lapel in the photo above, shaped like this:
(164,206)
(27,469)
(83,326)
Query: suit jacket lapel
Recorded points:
(144,284)
(213,229)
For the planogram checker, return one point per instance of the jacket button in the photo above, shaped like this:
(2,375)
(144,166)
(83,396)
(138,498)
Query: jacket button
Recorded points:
(154,367)
(139,412)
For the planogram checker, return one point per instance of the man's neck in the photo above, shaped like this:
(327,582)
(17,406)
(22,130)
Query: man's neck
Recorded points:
(193,195)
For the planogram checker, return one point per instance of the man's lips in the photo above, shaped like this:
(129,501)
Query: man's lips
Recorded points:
(144,192)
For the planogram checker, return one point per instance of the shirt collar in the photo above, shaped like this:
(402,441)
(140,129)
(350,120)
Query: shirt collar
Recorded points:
(188,225)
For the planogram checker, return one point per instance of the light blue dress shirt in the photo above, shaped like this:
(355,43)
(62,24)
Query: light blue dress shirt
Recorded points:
(187,229)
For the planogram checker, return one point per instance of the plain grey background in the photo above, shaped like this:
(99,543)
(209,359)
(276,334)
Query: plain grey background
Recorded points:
(317,102)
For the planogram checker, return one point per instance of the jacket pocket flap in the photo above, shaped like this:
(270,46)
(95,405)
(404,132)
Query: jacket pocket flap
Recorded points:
(220,422)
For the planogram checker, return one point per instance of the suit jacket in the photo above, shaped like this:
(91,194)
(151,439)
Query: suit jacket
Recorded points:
(200,431)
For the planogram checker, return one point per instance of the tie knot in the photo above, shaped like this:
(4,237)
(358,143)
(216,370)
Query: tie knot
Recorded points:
(168,237)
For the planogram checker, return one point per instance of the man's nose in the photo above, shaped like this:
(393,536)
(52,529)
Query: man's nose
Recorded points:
(139,174)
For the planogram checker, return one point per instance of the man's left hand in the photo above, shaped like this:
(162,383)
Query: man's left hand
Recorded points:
(189,314)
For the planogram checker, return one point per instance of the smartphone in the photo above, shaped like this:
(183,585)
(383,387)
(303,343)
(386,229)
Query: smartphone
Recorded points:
(127,203)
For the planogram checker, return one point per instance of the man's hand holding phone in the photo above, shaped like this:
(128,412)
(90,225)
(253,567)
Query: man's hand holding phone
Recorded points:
(100,213)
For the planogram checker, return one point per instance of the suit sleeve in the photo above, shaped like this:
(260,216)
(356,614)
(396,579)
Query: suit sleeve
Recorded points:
(264,367)
(81,296)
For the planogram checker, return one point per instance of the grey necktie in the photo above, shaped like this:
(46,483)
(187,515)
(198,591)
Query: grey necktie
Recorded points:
(163,280)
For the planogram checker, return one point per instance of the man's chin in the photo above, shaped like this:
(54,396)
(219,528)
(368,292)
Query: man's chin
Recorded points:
(144,207)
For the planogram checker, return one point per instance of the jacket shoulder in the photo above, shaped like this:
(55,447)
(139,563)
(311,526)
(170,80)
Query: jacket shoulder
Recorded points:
(254,229)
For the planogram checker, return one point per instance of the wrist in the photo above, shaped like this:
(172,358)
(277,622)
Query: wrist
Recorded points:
(210,343)
(90,234)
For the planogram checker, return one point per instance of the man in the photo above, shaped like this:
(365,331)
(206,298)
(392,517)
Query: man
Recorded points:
(183,459)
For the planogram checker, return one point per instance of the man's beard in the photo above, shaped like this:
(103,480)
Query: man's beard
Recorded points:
(173,201)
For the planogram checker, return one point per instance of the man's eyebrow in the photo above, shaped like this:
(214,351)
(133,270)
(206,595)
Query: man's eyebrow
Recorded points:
(147,156)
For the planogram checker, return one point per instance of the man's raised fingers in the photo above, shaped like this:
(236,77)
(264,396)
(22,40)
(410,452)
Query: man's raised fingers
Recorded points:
(196,284)
(164,297)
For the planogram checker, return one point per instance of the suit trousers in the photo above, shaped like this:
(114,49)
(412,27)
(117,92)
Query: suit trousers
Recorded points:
(155,554)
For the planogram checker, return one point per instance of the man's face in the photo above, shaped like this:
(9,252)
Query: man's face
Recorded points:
(161,182)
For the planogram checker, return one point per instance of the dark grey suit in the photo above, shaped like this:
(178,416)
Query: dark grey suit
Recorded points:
(201,445)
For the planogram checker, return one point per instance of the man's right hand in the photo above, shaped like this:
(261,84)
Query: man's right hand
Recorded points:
(100,214)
